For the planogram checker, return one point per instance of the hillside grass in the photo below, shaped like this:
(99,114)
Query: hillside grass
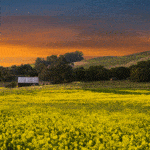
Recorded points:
(78,115)
(114,61)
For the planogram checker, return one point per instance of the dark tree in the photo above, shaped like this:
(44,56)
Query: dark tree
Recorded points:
(96,73)
(143,64)
(120,72)
(103,74)
(74,56)
(133,66)
(60,71)
(138,74)
(14,70)
(26,70)
(44,75)
(79,74)
(6,74)
(39,64)
(32,72)
(52,58)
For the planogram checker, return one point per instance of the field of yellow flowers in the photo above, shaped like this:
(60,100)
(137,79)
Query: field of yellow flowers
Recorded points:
(74,118)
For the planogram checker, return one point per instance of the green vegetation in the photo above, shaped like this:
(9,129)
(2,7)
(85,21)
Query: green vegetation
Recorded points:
(80,115)
(74,56)
(61,69)
(12,84)
(115,61)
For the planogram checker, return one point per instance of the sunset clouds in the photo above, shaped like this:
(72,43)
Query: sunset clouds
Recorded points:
(96,28)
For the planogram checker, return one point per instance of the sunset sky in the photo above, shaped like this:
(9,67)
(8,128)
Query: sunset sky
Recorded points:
(40,28)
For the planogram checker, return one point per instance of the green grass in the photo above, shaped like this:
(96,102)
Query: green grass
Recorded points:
(93,115)
(115,61)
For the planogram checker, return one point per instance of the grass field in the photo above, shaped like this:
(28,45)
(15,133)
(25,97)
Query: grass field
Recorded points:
(93,115)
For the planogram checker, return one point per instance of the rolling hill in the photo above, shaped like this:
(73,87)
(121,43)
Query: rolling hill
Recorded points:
(114,61)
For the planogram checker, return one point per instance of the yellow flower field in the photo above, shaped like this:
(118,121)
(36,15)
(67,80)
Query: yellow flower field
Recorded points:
(74,118)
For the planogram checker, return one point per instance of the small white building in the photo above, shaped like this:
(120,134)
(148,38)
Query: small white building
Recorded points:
(27,81)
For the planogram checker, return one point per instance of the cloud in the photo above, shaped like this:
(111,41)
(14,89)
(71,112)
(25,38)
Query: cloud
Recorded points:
(71,33)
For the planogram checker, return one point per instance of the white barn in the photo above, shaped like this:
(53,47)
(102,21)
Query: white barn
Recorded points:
(27,81)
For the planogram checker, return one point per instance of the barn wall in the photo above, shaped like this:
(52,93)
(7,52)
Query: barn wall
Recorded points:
(26,84)
(27,81)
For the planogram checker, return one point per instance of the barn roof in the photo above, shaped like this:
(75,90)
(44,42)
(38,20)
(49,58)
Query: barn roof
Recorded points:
(28,80)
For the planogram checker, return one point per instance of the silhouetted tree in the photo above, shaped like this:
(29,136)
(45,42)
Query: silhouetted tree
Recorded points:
(44,75)
(26,70)
(79,74)
(74,56)
(60,71)
(39,64)
(14,69)
(120,72)
(6,74)
(140,74)
(143,64)
(52,58)
(96,73)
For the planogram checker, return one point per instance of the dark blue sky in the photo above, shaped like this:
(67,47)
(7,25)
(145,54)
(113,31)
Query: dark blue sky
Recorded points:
(90,8)
(134,13)
(129,13)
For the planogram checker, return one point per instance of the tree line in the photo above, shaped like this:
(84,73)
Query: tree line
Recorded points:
(136,73)
(60,70)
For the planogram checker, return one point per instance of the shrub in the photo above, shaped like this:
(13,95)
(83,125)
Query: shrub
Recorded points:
(11,85)
(120,73)
(138,74)
(96,73)
(79,74)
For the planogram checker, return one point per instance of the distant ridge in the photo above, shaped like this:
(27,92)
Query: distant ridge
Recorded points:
(106,61)
(140,53)
(114,61)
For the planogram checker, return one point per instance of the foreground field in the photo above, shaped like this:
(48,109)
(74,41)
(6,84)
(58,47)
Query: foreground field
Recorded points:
(75,116)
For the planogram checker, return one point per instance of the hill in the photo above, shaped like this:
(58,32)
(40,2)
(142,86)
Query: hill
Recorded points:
(114,61)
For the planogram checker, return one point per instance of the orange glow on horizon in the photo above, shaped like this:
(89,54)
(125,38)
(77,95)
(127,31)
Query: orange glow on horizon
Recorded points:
(25,37)
(17,55)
